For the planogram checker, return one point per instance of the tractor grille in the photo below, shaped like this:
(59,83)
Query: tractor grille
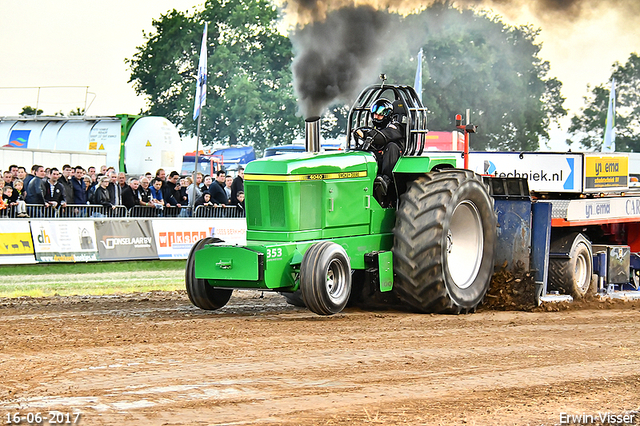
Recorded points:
(254,215)
(276,206)
(310,199)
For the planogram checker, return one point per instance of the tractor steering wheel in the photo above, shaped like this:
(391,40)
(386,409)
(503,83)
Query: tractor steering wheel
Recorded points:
(364,136)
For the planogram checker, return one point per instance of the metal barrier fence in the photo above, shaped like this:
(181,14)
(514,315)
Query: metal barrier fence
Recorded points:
(91,211)
(219,211)
(152,211)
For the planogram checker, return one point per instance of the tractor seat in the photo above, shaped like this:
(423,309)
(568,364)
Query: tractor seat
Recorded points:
(399,112)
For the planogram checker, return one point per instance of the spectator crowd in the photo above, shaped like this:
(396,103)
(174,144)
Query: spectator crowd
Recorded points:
(49,189)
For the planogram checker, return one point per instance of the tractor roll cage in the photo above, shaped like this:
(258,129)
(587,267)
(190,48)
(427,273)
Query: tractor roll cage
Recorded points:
(407,110)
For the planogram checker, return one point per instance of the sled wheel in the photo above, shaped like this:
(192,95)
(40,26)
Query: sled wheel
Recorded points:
(572,275)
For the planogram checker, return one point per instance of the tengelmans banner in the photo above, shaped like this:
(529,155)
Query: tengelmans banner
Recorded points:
(125,240)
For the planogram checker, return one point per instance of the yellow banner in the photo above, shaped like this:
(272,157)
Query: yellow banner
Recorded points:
(597,166)
(606,171)
(15,243)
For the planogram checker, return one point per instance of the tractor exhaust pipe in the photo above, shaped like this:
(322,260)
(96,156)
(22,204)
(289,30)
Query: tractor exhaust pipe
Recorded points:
(312,134)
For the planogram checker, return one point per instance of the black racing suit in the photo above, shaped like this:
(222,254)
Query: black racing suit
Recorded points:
(387,145)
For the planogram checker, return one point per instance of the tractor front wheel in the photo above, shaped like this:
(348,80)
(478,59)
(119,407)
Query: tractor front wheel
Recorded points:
(325,278)
(200,293)
(444,242)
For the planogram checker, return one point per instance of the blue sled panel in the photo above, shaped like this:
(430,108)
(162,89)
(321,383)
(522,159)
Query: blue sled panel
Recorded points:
(540,245)
(514,233)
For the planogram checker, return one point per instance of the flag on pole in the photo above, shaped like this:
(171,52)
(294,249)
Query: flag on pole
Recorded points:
(609,144)
(418,82)
(201,89)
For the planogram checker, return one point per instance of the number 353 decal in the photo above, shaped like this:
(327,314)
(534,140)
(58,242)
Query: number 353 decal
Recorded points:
(274,253)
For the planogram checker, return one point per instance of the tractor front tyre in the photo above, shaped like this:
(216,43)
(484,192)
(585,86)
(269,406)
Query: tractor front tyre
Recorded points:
(325,278)
(200,293)
(444,242)
(572,275)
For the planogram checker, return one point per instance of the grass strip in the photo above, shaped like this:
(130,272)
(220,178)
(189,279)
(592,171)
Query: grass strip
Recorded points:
(84,279)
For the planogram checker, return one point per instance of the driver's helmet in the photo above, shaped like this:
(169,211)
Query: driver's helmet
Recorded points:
(381,111)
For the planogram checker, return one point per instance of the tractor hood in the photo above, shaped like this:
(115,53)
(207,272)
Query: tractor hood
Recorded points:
(306,196)
(313,165)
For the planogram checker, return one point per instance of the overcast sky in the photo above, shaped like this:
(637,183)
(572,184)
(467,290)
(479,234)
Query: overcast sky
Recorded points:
(84,43)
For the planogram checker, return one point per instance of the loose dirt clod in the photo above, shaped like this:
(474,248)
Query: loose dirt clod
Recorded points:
(511,291)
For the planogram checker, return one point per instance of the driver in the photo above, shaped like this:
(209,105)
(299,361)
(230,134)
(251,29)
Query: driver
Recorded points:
(386,140)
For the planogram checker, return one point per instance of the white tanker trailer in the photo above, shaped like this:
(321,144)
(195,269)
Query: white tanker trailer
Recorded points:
(130,143)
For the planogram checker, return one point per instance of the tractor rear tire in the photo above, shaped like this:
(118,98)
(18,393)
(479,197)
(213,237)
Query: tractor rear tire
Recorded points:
(444,245)
(200,293)
(325,278)
(573,275)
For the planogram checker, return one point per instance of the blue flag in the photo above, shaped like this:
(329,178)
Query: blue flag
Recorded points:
(418,83)
(609,144)
(201,89)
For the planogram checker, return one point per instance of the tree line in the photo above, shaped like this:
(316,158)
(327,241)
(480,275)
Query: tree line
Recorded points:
(471,60)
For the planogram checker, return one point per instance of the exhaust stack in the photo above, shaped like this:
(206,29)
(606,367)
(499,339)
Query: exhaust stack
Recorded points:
(312,134)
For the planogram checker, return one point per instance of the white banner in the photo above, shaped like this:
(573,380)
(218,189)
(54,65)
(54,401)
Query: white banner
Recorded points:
(64,241)
(175,237)
(545,172)
(604,208)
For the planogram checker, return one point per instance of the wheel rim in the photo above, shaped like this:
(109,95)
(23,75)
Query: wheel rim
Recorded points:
(336,281)
(581,274)
(464,244)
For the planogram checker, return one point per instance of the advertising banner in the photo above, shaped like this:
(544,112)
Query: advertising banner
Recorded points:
(545,172)
(175,237)
(600,209)
(64,241)
(16,246)
(610,172)
(125,240)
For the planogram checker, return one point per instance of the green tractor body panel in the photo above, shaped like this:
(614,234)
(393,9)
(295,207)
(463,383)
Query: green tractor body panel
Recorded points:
(385,268)
(296,200)
(270,265)
(418,165)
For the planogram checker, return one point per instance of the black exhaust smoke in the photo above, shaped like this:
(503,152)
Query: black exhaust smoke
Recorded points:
(312,134)
(336,57)
(557,12)
(339,44)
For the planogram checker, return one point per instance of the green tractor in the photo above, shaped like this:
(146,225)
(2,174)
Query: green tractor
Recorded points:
(317,233)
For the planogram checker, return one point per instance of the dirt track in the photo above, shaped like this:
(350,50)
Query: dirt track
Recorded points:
(156,360)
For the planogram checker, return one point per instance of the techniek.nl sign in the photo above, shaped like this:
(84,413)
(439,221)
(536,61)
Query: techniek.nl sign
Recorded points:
(545,172)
